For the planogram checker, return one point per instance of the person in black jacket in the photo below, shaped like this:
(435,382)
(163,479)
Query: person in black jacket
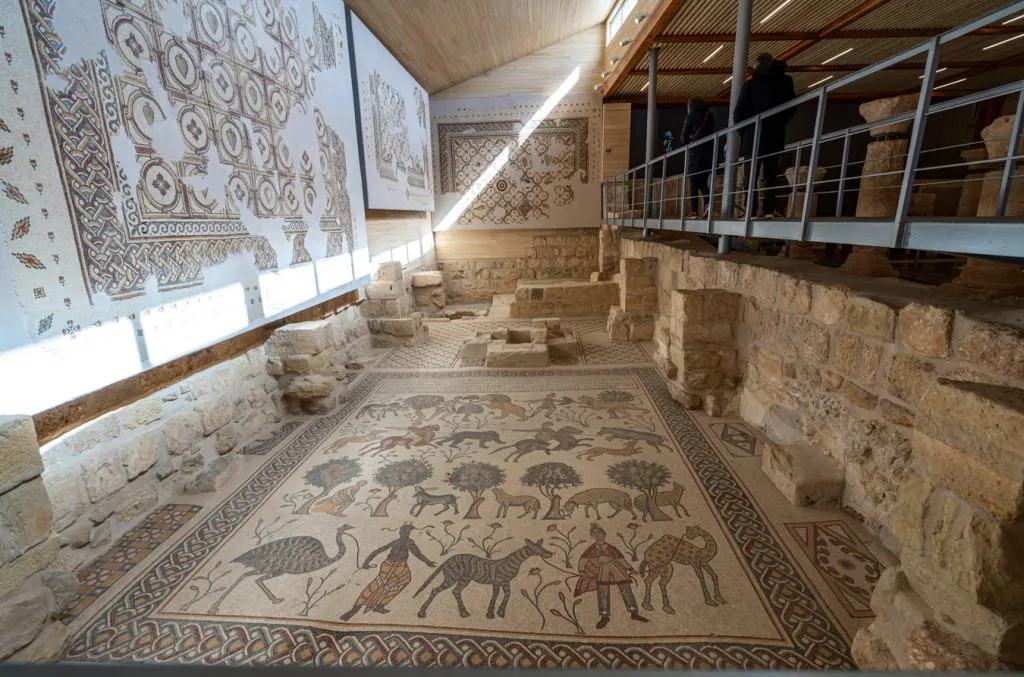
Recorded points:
(699,124)
(767,88)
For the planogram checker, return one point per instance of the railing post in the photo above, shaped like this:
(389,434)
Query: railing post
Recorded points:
(684,189)
(632,201)
(842,174)
(711,184)
(914,148)
(751,205)
(647,193)
(812,165)
(604,212)
(661,208)
(1011,155)
(796,180)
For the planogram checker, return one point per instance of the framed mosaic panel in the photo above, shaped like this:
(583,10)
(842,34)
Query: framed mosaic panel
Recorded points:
(394,117)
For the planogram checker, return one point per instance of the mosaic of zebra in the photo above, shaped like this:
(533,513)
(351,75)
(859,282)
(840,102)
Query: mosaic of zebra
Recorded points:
(528,512)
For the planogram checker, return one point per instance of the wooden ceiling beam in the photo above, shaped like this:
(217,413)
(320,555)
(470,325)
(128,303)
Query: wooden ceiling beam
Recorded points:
(652,26)
(858,12)
(817,68)
(878,34)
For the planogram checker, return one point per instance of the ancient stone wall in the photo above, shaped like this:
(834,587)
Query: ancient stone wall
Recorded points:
(479,264)
(907,407)
(62,505)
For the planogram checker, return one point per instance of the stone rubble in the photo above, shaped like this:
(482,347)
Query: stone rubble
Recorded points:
(388,307)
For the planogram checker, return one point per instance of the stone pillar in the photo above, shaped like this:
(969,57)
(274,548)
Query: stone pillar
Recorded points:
(428,291)
(987,279)
(703,349)
(301,357)
(818,176)
(633,318)
(970,193)
(387,309)
(997,141)
(869,261)
(608,251)
(879,195)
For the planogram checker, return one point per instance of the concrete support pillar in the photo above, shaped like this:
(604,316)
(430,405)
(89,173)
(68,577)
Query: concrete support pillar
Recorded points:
(739,75)
(652,126)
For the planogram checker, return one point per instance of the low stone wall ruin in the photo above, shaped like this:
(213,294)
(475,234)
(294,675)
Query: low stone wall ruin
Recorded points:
(901,404)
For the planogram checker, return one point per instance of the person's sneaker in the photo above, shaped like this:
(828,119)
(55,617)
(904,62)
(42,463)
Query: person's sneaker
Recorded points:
(773,215)
(704,214)
(691,215)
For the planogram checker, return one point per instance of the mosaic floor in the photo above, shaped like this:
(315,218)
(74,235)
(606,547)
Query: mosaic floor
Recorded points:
(573,516)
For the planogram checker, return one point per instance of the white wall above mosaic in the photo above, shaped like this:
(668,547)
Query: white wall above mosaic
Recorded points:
(531,162)
(395,136)
(164,165)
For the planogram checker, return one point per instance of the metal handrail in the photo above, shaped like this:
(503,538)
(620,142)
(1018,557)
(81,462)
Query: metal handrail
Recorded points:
(808,227)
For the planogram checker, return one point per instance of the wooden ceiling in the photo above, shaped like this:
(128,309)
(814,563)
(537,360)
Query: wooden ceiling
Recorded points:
(848,34)
(444,42)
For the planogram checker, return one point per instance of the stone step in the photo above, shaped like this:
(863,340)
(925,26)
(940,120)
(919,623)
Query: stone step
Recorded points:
(804,475)
(564,297)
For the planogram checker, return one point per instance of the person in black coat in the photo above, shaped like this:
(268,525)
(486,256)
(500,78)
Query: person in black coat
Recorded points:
(699,124)
(767,88)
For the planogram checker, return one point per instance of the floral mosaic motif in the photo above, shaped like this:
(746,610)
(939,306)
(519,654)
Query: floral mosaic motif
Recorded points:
(843,560)
(540,166)
(230,95)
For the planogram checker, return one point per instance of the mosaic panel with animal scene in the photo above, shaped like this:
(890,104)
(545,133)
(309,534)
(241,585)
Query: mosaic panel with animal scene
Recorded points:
(493,518)
(221,85)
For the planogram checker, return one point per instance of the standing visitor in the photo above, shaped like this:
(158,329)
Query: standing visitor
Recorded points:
(767,88)
(699,124)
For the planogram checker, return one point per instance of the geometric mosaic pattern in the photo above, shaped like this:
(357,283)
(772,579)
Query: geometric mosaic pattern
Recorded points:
(737,438)
(148,535)
(767,615)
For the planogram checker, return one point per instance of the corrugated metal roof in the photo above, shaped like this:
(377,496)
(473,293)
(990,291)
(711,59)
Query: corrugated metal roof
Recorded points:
(926,14)
(864,51)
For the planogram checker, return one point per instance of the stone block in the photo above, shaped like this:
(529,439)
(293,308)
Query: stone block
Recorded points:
(227,438)
(252,423)
(427,278)
(795,295)
(908,377)
(19,450)
(799,337)
(48,645)
(682,396)
(896,413)
(970,479)
(995,347)
(475,349)
(402,326)
(67,496)
(666,366)
(25,519)
(141,413)
(300,338)
(14,574)
(828,303)
(859,396)
(563,348)
(985,420)
(931,647)
(319,405)
(140,454)
(767,366)
(133,500)
(182,433)
(214,477)
(857,359)
(539,335)
(870,318)
(308,364)
(216,413)
(388,272)
(399,307)
(103,473)
(515,355)
(22,618)
(804,475)
(309,387)
(926,330)
(384,291)
(371,309)
(275,366)
(93,434)
(870,652)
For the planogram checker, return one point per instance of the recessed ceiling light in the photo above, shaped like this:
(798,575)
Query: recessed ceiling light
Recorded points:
(1002,42)
(825,79)
(599,86)
(953,82)
(605,74)
(624,42)
(640,18)
(614,60)
(775,11)
(727,80)
(1010,21)
(712,54)
(944,68)
(831,59)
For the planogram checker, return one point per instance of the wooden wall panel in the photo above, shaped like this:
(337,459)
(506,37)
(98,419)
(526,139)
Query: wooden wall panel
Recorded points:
(388,230)
(492,244)
(615,158)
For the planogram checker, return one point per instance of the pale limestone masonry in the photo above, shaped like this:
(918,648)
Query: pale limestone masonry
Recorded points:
(564,298)
(911,404)
(633,318)
(572,255)
(63,505)
(388,309)
(703,333)
(428,295)
(537,346)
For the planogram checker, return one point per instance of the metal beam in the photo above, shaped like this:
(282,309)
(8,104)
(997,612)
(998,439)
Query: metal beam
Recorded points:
(856,97)
(655,22)
(853,34)
(819,68)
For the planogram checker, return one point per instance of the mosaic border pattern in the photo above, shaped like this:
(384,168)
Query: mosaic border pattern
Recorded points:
(129,630)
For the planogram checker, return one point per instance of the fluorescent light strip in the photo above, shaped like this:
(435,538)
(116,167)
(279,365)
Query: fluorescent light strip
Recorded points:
(1010,21)
(646,85)
(954,82)
(775,11)
(712,54)
(727,80)
(819,82)
(837,56)
(944,68)
(1002,42)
